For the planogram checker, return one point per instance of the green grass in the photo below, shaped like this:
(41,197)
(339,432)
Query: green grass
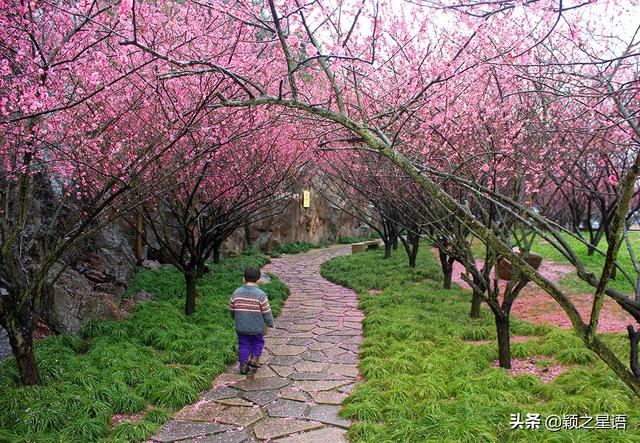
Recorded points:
(355,271)
(423,383)
(571,283)
(158,360)
(347,239)
(295,248)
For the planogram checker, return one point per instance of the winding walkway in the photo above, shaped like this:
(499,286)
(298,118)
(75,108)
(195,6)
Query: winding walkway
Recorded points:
(309,367)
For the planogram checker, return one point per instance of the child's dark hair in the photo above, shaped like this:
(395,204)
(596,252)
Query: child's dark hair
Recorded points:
(251,275)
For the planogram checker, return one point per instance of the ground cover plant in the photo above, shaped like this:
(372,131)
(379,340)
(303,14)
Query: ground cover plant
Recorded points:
(154,362)
(425,379)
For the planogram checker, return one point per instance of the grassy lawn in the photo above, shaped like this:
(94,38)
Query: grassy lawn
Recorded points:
(154,362)
(571,283)
(424,383)
(296,247)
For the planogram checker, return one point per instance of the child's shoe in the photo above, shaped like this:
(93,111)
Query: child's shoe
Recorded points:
(244,369)
(253,362)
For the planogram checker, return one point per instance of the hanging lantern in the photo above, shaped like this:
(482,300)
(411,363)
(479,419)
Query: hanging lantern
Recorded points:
(306,199)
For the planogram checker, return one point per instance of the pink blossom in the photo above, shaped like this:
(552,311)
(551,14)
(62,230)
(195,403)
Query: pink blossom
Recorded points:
(613,180)
(293,41)
(125,8)
(311,50)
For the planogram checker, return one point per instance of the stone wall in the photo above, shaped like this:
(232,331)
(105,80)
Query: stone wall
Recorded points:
(320,222)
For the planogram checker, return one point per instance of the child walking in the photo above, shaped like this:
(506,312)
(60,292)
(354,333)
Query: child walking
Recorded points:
(251,311)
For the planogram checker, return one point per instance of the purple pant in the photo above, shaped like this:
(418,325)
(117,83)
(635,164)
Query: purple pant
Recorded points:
(249,345)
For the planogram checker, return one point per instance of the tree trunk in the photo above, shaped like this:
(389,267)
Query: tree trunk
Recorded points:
(411,245)
(190,280)
(387,248)
(476,302)
(21,339)
(448,275)
(504,342)
(202,269)
(634,338)
(446,263)
(216,254)
(139,228)
(246,243)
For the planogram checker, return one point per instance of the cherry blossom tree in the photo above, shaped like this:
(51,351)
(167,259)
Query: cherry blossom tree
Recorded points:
(247,176)
(82,122)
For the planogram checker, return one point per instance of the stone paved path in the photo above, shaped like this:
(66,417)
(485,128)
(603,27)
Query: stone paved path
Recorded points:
(309,367)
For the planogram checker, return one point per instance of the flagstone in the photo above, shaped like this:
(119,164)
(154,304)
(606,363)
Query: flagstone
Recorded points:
(282,371)
(301,328)
(220,393)
(347,357)
(348,389)
(321,331)
(345,332)
(333,351)
(326,434)
(294,394)
(328,414)
(261,398)
(300,341)
(353,347)
(309,366)
(261,384)
(316,376)
(328,397)
(318,346)
(344,369)
(287,408)
(180,430)
(316,356)
(285,360)
(264,372)
(301,334)
(228,377)
(331,339)
(232,436)
(201,411)
(281,427)
(287,350)
(235,402)
(276,340)
(240,416)
(319,385)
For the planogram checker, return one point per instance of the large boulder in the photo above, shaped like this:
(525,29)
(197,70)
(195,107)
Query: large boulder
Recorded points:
(94,286)
(74,300)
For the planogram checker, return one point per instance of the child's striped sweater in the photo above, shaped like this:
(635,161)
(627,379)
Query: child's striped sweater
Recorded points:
(250,308)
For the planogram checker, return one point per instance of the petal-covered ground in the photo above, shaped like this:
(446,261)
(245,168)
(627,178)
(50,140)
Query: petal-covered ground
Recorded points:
(536,306)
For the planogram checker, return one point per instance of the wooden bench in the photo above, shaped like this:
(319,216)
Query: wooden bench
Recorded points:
(363,246)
